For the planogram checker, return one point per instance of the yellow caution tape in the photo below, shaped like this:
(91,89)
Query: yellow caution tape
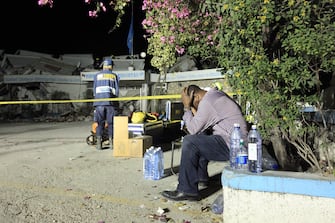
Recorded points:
(174,96)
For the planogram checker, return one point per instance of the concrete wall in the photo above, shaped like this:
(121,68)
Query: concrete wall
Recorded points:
(277,196)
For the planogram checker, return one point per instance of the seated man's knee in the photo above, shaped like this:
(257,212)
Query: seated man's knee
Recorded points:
(188,141)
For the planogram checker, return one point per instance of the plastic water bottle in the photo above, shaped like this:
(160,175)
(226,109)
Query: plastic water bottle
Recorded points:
(217,205)
(254,150)
(242,157)
(268,162)
(154,162)
(234,145)
(161,162)
(157,164)
(147,164)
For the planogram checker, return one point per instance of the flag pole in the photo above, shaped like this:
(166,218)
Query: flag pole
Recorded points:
(132,22)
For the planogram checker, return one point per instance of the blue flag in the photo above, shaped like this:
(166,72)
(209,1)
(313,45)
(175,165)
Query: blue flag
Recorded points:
(130,36)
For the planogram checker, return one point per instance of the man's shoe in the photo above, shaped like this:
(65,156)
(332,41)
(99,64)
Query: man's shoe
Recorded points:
(179,196)
(203,185)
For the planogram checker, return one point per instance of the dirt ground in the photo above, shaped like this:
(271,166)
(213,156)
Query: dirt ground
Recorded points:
(49,174)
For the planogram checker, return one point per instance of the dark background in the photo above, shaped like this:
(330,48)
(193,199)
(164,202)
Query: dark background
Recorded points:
(67,28)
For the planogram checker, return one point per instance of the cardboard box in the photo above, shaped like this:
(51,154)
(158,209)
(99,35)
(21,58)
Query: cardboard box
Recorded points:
(121,127)
(138,145)
(132,147)
(123,145)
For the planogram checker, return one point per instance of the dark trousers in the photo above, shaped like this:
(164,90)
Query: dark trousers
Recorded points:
(103,114)
(197,151)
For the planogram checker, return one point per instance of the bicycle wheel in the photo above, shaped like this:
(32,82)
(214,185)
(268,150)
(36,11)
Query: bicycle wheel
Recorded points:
(91,140)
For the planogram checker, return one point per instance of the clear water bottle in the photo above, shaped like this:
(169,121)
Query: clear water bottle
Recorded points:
(268,162)
(154,163)
(157,164)
(234,145)
(161,162)
(147,164)
(254,150)
(242,157)
(217,205)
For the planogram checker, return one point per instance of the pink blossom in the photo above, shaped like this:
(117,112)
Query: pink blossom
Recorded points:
(172,39)
(45,2)
(92,14)
(180,50)
(163,39)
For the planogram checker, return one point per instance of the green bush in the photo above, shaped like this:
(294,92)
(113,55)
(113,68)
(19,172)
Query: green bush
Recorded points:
(278,51)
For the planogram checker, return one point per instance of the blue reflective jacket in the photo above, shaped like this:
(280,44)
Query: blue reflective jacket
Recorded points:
(106,85)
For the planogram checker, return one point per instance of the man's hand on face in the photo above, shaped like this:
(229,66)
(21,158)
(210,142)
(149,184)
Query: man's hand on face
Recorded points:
(187,99)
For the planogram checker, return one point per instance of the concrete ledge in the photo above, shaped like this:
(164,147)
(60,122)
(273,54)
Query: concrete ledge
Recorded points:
(277,196)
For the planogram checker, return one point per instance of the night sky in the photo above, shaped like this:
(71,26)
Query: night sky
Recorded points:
(66,28)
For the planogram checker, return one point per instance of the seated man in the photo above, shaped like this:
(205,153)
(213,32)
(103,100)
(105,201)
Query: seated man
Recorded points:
(209,117)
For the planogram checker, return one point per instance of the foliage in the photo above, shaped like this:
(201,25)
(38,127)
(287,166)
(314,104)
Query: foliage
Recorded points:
(278,50)
(175,25)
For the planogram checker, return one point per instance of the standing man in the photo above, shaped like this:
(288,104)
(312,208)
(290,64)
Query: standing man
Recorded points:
(106,85)
(209,117)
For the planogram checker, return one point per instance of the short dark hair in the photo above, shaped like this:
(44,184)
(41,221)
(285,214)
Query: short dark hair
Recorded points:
(194,88)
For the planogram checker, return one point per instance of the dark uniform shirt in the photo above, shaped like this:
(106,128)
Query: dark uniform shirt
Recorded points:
(106,85)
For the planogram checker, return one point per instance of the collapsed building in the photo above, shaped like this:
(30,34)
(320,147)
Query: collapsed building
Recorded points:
(41,86)
(35,85)
(37,77)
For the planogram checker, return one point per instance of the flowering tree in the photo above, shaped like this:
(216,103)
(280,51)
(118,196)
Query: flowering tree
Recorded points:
(279,51)
(99,6)
(176,27)
(173,27)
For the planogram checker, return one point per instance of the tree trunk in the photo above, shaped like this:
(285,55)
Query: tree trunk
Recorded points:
(279,148)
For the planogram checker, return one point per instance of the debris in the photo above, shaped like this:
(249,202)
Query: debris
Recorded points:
(87,197)
(161,218)
(179,204)
(205,209)
(182,208)
(160,211)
